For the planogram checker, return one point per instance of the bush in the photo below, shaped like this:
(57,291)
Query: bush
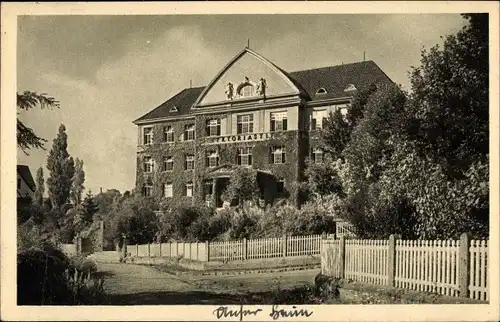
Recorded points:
(43,274)
(83,264)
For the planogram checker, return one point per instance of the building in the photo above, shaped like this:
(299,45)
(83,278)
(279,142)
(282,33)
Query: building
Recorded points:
(252,114)
(25,185)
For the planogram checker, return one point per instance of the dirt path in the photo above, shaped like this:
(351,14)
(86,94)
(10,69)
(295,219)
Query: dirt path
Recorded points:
(129,284)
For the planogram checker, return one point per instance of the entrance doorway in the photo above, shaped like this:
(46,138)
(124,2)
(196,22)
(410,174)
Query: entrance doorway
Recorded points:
(220,187)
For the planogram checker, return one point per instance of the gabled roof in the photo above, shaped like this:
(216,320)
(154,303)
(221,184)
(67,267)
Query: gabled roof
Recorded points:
(334,80)
(182,101)
(25,173)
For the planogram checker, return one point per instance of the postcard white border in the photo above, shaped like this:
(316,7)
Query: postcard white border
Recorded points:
(9,309)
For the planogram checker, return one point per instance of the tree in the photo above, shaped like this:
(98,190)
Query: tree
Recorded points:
(26,137)
(322,179)
(90,207)
(242,186)
(77,183)
(417,164)
(336,133)
(61,168)
(40,188)
(450,98)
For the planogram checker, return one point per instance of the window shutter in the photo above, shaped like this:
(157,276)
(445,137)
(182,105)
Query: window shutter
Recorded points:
(284,124)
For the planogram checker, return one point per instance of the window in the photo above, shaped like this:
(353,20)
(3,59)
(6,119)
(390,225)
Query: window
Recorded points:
(167,190)
(147,135)
(173,109)
(212,159)
(278,155)
(322,90)
(168,164)
(188,192)
(317,156)
(245,123)
(350,88)
(148,164)
(247,90)
(189,164)
(147,189)
(245,156)
(168,134)
(189,132)
(213,127)
(278,121)
(280,186)
(318,119)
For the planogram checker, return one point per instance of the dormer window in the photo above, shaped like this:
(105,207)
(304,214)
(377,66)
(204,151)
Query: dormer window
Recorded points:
(173,109)
(350,88)
(322,90)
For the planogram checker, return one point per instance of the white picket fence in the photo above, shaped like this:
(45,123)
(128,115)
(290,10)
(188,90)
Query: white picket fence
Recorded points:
(285,246)
(193,251)
(435,266)
(223,251)
(366,260)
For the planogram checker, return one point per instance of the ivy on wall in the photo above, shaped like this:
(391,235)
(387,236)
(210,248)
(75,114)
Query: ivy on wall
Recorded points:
(294,142)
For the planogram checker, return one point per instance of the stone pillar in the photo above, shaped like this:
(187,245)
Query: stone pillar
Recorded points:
(464,265)
(391,259)
(124,249)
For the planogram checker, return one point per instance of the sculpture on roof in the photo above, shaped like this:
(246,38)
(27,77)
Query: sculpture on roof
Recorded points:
(261,87)
(229,91)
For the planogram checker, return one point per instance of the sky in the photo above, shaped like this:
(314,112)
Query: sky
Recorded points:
(107,71)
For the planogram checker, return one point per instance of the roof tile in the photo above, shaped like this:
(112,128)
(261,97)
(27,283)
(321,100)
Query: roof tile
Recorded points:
(334,79)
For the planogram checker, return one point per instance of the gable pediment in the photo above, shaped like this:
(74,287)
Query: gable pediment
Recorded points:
(247,76)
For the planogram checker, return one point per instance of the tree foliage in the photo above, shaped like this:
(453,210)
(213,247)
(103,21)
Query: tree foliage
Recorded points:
(450,98)
(40,188)
(26,137)
(242,186)
(77,183)
(416,163)
(61,169)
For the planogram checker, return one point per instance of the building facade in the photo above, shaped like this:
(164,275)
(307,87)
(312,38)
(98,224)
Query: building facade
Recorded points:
(25,185)
(252,114)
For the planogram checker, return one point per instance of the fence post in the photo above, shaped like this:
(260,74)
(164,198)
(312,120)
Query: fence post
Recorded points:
(207,251)
(137,250)
(342,257)
(463,265)
(160,249)
(284,241)
(149,250)
(391,260)
(245,248)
